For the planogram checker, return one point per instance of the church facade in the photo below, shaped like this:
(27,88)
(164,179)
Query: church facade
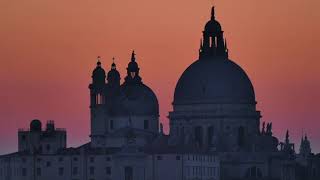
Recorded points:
(215,130)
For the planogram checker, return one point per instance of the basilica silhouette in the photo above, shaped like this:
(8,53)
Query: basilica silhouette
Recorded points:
(215,130)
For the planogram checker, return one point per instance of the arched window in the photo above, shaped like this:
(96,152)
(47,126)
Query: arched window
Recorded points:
(99,99)
(198,134)
(210,135)
(128,173)
(241,136)
(253,172)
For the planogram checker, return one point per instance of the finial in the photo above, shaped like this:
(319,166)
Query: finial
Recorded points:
(133,56)
(99,62)
(113,65)
(287,135)
(212,13)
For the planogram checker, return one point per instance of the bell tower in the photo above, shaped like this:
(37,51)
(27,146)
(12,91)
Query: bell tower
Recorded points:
(97,102)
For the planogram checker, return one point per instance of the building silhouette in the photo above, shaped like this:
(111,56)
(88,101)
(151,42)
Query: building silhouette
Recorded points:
(215,130)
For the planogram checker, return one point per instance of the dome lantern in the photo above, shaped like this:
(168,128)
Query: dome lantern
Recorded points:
(213,42)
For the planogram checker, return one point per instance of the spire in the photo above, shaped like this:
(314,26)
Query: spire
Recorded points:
(213,13)
(287,136)
(133,56)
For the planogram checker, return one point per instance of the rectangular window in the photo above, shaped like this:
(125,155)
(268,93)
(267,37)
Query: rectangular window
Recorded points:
(91,170)
(111,124)
(38,171)
(24,172)
(92,159)
(108,159)
(75,159)
(48,163)
(61,171)
(159,157)
(177,157)
(75,170)
(108,170)
(146,124)
(60,159)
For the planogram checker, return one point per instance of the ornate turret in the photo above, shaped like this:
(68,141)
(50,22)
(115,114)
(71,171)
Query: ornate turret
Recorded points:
(305,148)
(213,44)
(97,103)
(98,84)
(286,146)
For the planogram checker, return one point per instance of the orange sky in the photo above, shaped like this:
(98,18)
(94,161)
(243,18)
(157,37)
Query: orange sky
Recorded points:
(48,49)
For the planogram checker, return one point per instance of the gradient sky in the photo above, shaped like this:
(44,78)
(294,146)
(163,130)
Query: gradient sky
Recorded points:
(48,49)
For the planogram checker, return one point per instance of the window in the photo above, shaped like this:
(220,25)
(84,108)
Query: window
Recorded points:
(39,159)
(111,124)
(61,171)
(159,157)
(241,136)
(23,137)
(91,170)
(48,163)
(75,159)
(146,124)
(253,172)
(100,99)
(75,170)
(132,74)
(38,171)
(128,173)
(40,149)
(92,159)
(24,172)
(178,158)
(198,135)
(210,135)
(60,159)
(48,147)
(24,160)
(108,159)
(108,170)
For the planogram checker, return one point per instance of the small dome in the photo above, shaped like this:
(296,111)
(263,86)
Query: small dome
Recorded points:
(213,26)
(98,74)
(35,125)
(113,74)
(135,99)
(214,80)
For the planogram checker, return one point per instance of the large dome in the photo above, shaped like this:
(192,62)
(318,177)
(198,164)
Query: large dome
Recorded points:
(136,99)
(214,80)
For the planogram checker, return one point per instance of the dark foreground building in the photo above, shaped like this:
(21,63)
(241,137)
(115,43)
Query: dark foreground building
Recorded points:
(215,130)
